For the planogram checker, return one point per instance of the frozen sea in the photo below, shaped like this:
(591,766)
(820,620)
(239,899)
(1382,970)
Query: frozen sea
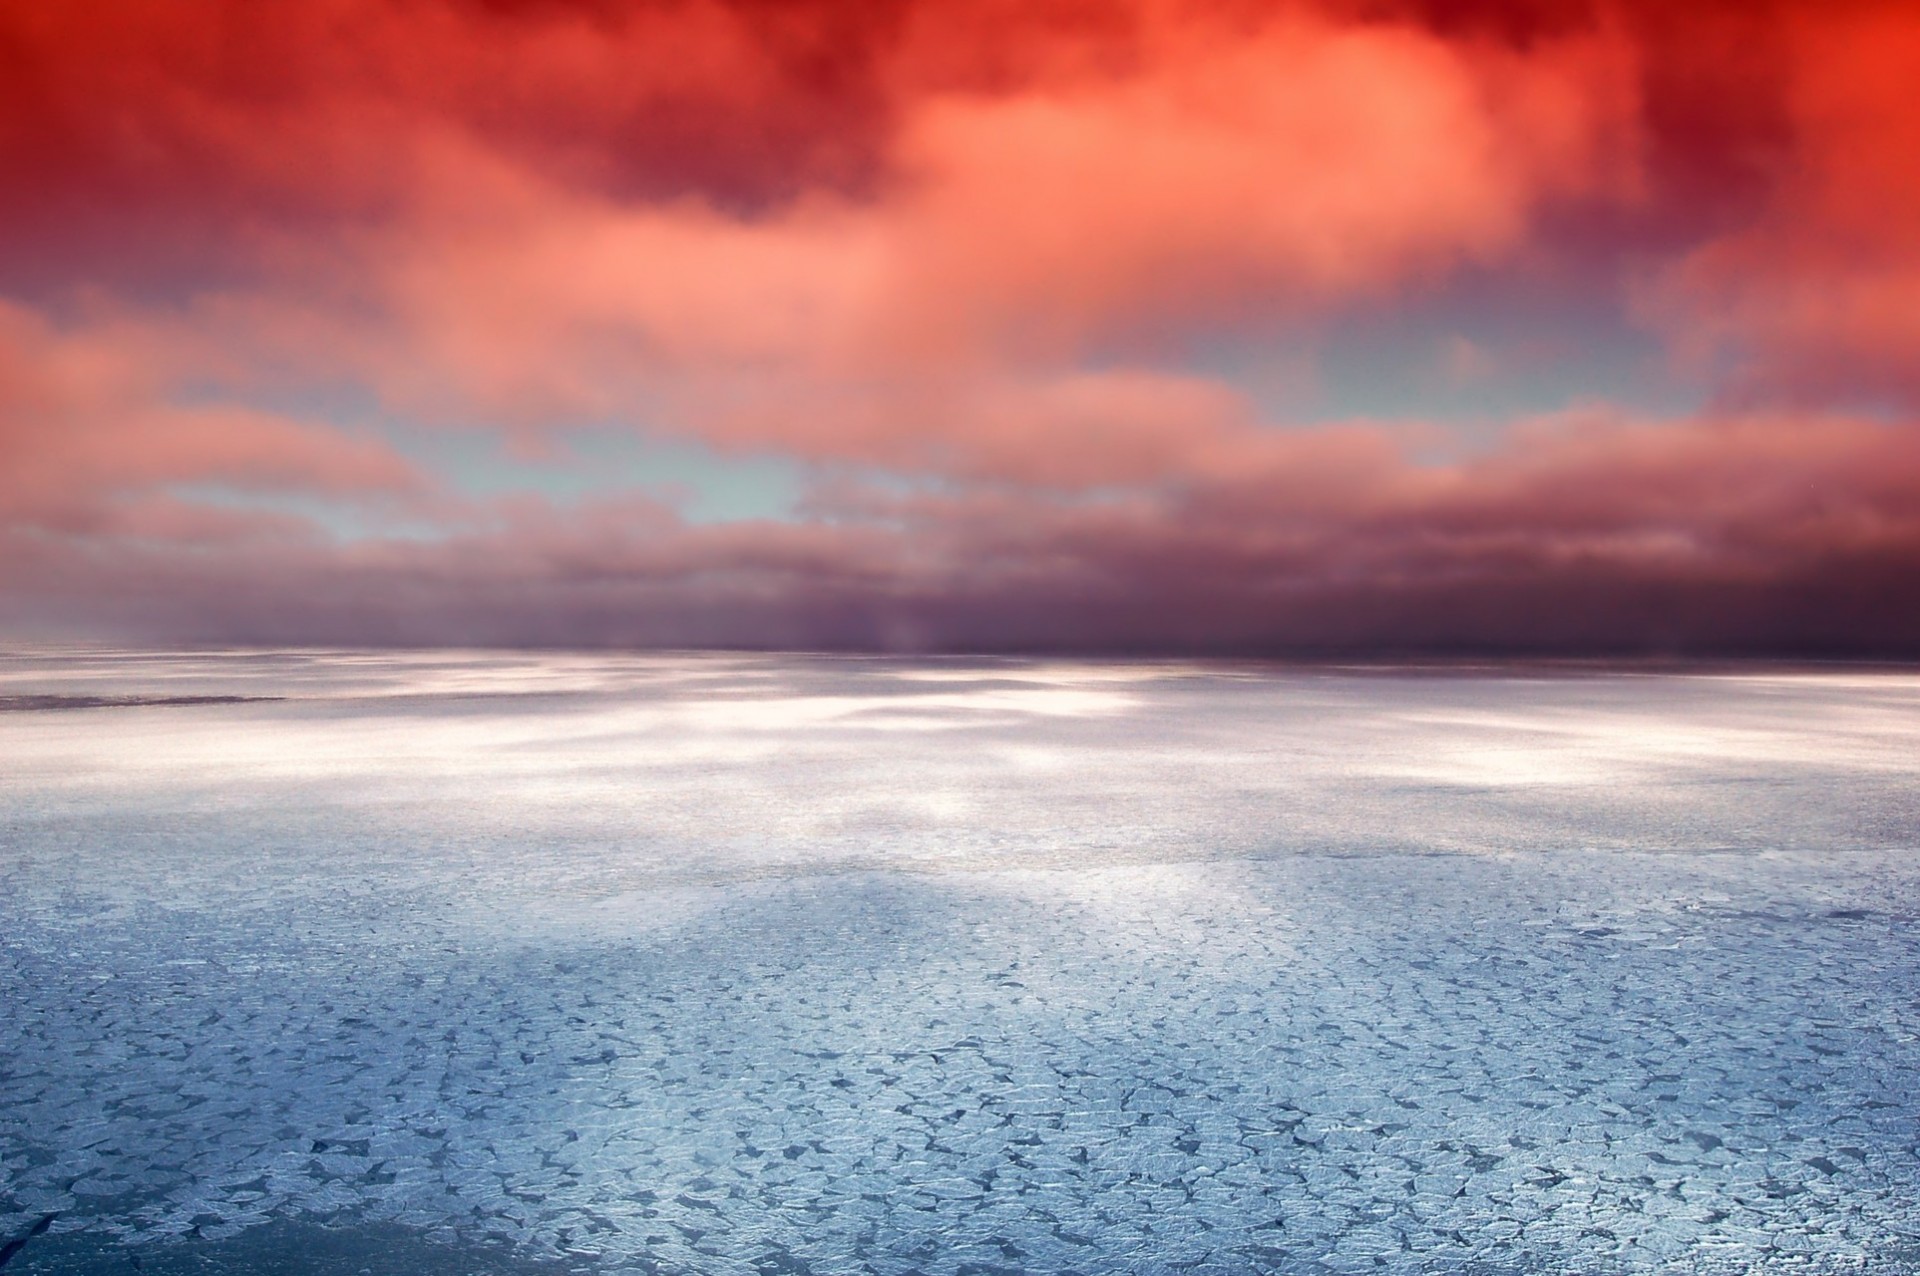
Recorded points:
(321,962)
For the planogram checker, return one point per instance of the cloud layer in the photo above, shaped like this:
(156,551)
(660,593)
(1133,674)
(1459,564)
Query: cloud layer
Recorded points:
(1048,306)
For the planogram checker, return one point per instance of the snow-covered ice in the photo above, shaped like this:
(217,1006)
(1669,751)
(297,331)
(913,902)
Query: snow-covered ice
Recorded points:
(729,964)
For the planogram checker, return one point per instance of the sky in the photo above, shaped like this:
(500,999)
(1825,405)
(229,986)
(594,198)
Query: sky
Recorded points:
(1340,327)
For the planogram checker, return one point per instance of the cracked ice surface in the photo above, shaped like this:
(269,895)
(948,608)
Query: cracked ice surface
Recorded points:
(726,964)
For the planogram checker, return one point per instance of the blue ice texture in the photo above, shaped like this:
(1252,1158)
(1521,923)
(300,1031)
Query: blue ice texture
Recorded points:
(744,965)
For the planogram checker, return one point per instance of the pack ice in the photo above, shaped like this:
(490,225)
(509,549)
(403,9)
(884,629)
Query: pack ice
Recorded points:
(754,965)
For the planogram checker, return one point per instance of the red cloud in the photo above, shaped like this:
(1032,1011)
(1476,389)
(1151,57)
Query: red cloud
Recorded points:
(1819,295)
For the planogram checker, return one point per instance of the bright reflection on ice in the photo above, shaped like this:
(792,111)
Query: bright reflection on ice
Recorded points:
(722,963)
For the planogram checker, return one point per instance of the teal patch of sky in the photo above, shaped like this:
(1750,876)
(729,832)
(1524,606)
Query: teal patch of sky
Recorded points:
(576,465)
(341,520)
(567,467)
(579,466)
(1475,357)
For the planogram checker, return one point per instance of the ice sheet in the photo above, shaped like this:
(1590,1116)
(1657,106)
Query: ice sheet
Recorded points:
(768,964)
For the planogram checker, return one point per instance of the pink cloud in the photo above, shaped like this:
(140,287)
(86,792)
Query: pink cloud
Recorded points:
(1590,535)
(90,437)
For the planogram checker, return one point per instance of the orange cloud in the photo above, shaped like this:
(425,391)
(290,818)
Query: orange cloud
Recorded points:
(1283,170)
